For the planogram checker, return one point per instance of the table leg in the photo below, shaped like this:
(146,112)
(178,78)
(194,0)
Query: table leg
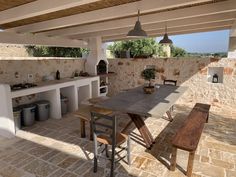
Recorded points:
(82,128)
(145,133)
(127,127)
(146,129)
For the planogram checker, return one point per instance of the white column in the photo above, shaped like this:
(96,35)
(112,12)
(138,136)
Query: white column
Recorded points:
(167,50)
(7,124)
(232,42)
(97,53)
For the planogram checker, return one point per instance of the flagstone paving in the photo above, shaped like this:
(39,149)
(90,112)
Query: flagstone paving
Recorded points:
(53,148)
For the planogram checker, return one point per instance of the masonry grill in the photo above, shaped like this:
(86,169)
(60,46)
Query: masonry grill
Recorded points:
(102,67)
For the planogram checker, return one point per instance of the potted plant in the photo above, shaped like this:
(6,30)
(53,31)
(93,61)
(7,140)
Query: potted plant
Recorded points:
(148,74)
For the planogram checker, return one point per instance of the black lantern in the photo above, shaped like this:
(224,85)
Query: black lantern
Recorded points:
(215,78)
(137,31)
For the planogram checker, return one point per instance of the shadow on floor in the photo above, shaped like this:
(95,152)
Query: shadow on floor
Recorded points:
(221,129)
(64,136)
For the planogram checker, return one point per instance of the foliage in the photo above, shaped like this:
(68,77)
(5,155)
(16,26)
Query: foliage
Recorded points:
(147,47)
(44,51)
(148,74)
(178,52)
(138,48)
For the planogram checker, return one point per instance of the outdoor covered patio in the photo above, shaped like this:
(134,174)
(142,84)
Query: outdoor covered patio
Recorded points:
(58,147)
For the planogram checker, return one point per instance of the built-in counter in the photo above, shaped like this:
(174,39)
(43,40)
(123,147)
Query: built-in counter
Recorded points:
(75,89)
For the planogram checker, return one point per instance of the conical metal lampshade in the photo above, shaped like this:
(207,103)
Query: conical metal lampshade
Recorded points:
(137,31)
(165,39)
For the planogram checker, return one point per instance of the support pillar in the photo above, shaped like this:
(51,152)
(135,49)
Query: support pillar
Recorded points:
(167,50)
(232,42)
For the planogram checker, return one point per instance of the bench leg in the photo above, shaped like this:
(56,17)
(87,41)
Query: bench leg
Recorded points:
(190,163)
(207,118)
(170,118)
(82,128)
(173,159)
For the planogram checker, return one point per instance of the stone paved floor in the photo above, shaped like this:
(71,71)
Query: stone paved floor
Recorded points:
(54,149)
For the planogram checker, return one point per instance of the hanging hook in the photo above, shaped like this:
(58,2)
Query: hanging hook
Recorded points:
(138,14)
(165,27)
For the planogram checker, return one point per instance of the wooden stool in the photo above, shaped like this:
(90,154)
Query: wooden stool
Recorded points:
(84,113)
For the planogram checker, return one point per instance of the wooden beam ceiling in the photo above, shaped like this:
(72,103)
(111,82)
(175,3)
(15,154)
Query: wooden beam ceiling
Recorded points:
(124,11)
(201,21)
(43,7)
(6,4)
(194,15)
(76,20)
(67,12)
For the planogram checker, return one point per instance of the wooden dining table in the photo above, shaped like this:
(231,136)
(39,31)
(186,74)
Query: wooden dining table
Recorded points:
(139,105)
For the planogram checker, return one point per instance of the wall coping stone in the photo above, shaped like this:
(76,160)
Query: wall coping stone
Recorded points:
(38,58)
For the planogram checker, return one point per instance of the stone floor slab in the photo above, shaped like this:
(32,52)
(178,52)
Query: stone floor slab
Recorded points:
(53,148)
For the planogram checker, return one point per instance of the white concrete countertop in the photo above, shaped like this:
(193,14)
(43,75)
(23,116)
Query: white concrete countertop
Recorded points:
(53,84)
(75,89)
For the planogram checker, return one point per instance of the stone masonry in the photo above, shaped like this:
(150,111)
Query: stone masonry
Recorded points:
(53,148)
(190,72)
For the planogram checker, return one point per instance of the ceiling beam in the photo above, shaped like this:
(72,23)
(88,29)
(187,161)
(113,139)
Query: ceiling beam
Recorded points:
(209,9)
(161,25)
(30,39)
(120,11)
(174,33)
(233,29)
(37,8)
(178,30)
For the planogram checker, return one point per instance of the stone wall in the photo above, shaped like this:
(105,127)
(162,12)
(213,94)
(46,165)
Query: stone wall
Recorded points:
(39,67)
(192,73)
(11,50)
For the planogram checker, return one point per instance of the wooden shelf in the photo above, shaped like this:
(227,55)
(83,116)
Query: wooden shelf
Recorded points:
(104,86)
(107,74)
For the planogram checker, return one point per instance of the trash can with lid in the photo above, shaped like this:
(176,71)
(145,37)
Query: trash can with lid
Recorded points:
(64,105)
(17,117)
(28,114)
(42,110)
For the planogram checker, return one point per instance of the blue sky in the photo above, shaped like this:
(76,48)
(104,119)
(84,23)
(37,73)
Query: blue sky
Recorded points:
(215,41)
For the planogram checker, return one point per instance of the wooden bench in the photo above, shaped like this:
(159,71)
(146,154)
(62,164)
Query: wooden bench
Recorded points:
(84,113)
(188,136)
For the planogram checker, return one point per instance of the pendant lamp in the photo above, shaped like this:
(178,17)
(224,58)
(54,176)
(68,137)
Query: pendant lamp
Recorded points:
(137,31)
(165,39)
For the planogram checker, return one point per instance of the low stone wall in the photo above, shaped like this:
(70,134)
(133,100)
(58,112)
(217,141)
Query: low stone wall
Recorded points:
(11,50)
(39,67)
(190,72)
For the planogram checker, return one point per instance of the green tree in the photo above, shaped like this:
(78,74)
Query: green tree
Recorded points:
(138,48)
(178,52)
(147,47)
(44,51)
(148,74)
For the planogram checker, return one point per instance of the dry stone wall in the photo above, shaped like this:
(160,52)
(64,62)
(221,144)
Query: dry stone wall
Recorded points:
(39,67)
(192,73)
(11,50)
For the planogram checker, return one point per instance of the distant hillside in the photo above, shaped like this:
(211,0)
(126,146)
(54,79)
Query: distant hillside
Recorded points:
(218,54)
